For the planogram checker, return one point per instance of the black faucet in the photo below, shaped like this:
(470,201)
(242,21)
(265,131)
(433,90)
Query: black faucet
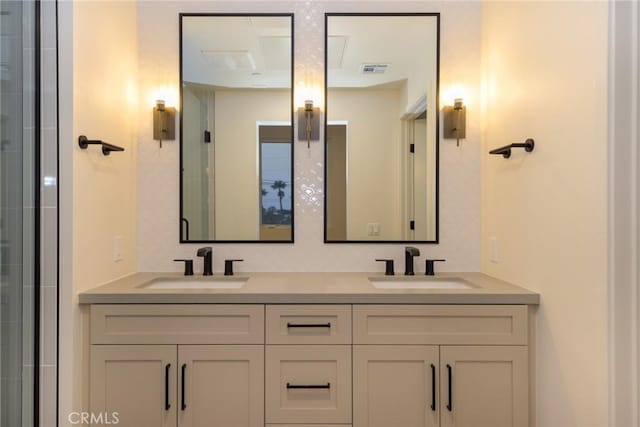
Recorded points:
(409,253)
(207,253)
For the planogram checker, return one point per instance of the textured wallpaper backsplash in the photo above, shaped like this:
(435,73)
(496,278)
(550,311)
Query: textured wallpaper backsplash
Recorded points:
(158,187)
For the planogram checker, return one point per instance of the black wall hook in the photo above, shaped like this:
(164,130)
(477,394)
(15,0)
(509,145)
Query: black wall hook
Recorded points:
(107,148)
(528,146)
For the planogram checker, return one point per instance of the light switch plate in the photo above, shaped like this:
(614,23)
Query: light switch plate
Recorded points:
(373,229)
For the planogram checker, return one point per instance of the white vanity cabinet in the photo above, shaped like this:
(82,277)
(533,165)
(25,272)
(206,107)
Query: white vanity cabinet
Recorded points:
(200,365)
(443,366)
(290,365)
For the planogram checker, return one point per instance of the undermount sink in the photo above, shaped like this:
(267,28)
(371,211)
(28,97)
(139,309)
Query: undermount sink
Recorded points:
(412,282)
(199,283)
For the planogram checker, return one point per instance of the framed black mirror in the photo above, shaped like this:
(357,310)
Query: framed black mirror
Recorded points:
(236,133)
(381,127)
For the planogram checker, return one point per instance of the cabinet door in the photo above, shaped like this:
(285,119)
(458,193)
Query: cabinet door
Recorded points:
(135,384)
(395,386)
(221,386)
(484,386)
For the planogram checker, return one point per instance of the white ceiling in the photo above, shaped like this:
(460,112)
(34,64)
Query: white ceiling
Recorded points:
(236,51)
(255,52)
(406,43)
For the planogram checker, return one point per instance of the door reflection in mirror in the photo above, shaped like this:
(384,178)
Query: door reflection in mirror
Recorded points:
(236,133)
(381,139)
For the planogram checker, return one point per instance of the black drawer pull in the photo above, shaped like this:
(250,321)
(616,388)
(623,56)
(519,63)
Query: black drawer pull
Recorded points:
(182,387)
(450,404)
(433,387)
(167,405)
(308,386)
(309,325)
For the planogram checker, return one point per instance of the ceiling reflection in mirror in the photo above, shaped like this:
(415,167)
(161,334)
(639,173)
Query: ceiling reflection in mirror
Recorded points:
(236,128)
(381,139)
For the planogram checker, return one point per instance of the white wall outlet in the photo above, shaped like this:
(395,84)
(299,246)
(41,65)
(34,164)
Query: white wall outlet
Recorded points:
(493,249)
(117,248)
(373,229)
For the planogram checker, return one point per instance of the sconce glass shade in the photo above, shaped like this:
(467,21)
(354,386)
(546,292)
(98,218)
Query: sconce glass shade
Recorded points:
(308,105)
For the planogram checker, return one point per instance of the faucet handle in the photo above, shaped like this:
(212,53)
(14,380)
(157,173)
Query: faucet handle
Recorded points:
(388,266)
(188,266)
(428,268)
(228,266)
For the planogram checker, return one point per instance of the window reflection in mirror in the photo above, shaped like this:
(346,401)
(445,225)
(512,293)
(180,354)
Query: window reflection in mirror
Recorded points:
(236,133)
(381,139)
(275,181)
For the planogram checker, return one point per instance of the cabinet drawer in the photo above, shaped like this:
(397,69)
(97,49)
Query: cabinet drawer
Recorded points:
(445,324)
(177,324)
(308,324)
(307,425)
(308,384)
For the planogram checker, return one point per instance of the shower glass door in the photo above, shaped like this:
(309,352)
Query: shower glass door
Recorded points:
(19,276)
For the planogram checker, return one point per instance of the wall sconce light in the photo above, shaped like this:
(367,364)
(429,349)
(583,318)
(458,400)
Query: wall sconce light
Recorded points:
(455,121)
(308,123)
(164,122)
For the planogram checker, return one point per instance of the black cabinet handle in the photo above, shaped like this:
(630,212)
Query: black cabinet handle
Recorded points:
(450,374)
(182,388)
(433,387)
(309,325)
(308,386)
(167,405)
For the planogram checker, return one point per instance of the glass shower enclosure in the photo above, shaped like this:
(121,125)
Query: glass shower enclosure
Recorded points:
(19,213)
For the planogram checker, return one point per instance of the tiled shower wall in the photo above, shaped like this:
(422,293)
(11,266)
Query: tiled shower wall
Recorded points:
(49,216)
(158,168)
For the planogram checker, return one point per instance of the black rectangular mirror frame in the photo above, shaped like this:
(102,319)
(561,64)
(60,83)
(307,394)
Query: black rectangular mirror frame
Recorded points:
(182,238)
(437,128)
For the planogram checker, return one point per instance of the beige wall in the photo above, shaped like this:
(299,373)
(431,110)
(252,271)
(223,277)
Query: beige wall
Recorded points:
(104,187)
(546,74)
(237,191)
(105,78)
(373,158)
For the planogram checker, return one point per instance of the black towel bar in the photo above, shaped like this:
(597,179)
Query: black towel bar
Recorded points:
(107,148)
(505,151)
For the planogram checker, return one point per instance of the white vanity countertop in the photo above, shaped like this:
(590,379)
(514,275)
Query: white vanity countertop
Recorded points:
(309,288)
